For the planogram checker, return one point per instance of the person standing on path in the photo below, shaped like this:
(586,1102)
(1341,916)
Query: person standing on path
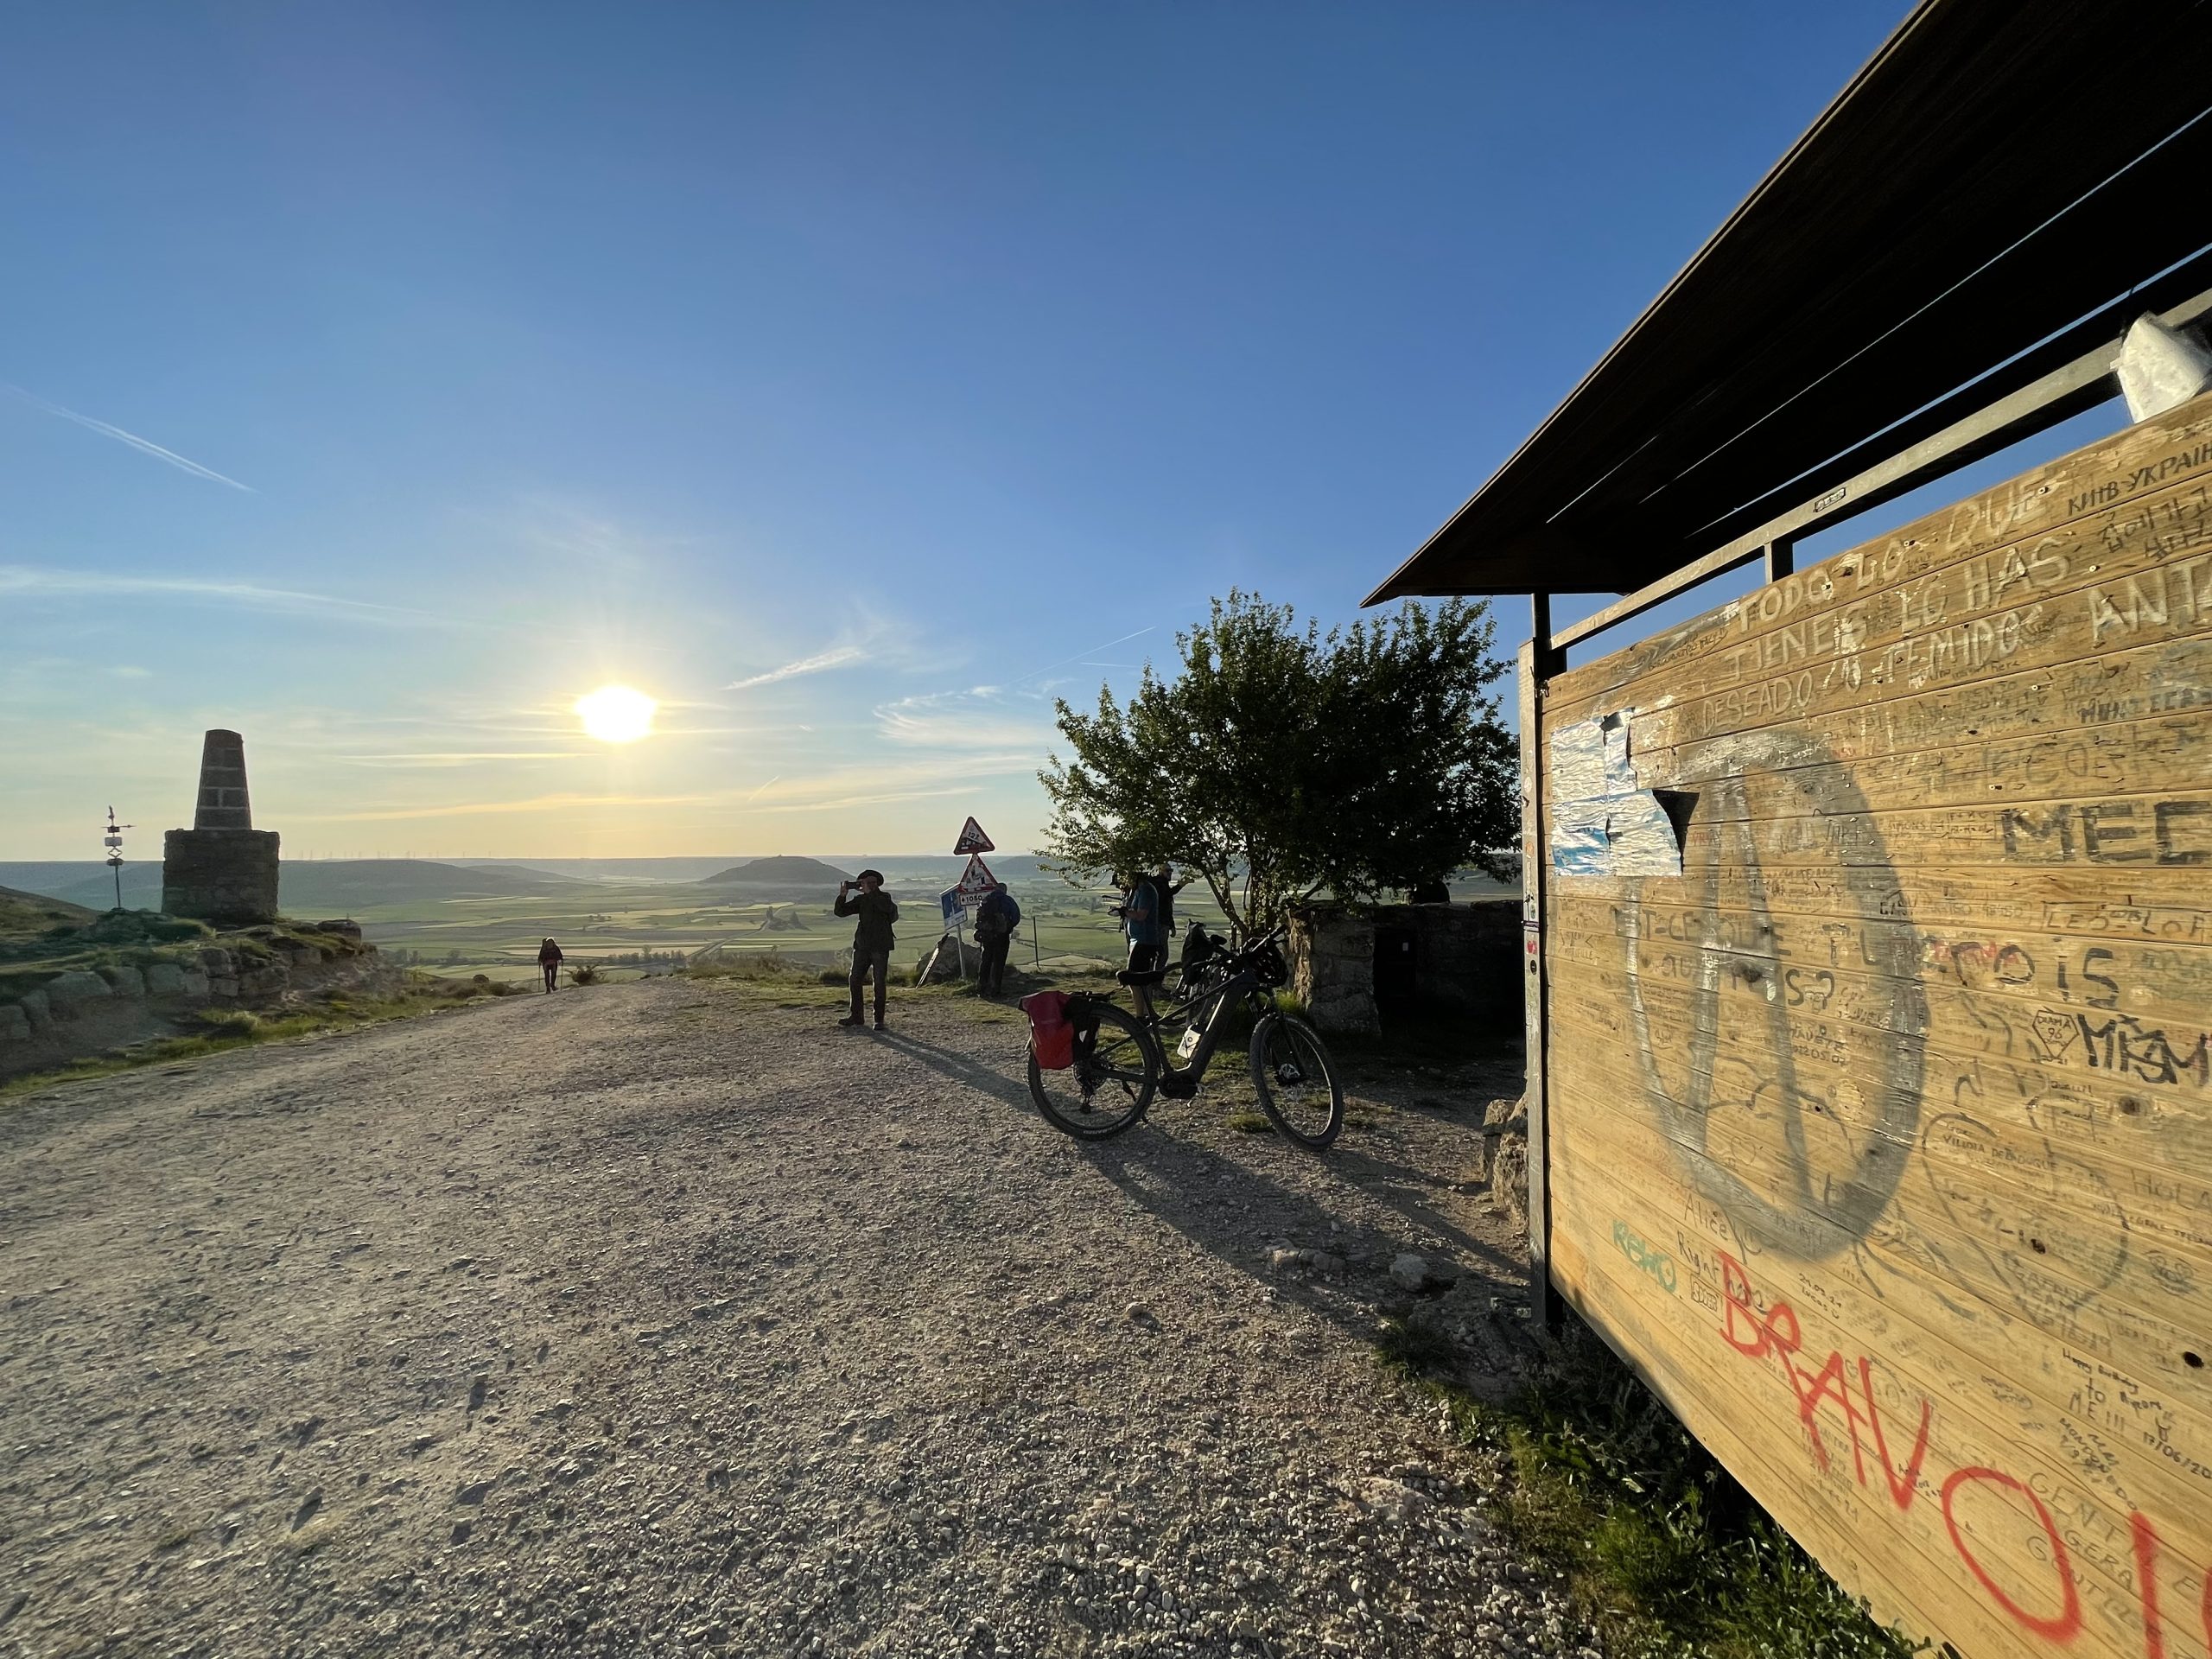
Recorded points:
(995,919)
(1167,886)
(872,937)
(549,961)
(1141,921)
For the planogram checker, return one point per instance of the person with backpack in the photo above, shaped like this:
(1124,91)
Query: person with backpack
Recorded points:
(995,919)
(872,938)
(548,961)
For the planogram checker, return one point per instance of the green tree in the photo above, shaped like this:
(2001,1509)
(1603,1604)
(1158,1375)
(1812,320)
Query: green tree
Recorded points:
(1281,762)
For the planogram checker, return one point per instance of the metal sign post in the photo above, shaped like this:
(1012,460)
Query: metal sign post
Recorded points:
(112,839)
(962,896)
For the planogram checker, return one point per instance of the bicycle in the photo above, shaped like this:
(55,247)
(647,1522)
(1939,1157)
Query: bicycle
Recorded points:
(1120,1062)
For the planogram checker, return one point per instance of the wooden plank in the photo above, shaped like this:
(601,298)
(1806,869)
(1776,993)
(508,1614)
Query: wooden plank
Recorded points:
(1855,1129)
(1535,660)
(2047,1244)
(2066,599)
(2162,678)
(1789,824)
(2039,1413)
(2074,901)
(1878,1506)
(2074,504)
(2040,999)
(1911,1068)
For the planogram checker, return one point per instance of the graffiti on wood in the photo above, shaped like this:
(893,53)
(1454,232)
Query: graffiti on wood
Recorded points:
(1881,1102)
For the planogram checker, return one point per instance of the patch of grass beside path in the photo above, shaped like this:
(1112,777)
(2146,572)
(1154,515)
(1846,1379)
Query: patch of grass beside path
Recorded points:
(766,976)
(1662,1551)
(217,1029)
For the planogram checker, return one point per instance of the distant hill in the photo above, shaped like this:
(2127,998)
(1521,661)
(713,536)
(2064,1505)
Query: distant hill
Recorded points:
(30,914)
(88,882)
(782,871)
(304,886)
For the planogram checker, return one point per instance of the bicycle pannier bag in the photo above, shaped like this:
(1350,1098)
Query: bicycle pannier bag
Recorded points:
(1051,1037)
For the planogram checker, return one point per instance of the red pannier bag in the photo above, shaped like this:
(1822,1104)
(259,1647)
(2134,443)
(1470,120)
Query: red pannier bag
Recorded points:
(1051,1039)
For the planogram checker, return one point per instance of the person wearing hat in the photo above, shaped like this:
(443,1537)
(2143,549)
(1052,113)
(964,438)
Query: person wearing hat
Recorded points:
(872,937)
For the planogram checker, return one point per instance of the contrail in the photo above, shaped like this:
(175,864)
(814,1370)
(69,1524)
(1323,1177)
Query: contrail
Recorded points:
(144,445)
(1065,661)
(832,658)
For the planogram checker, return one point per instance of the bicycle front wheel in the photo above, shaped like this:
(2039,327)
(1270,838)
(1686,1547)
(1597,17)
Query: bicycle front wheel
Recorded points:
(1297,1081)
(1110,1083)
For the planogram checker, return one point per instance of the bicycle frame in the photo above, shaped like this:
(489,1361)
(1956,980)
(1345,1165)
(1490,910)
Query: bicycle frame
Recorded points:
(1212,999)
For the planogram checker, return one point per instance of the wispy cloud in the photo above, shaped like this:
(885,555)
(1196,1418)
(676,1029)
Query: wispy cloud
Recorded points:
(874,786)
(32,582)
(473,809)
(835,657)
(455,757)
(143,446)
(975,719)
(827,792)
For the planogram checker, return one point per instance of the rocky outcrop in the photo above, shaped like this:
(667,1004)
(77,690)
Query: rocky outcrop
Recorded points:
(67,993)
(89,1009)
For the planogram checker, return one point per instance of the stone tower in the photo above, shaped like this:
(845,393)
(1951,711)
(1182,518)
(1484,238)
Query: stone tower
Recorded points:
(222,869)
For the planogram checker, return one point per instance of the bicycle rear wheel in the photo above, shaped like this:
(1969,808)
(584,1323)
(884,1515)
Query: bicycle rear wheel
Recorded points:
(1297,1081)
(1110,1084)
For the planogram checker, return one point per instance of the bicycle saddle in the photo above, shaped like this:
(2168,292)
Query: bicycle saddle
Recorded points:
(1150,977)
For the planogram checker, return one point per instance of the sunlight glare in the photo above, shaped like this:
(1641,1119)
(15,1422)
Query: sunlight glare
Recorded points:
(615,714)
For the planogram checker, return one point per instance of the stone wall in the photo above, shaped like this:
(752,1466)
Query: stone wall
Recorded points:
(1465,958)
(223,876)
(1332,956)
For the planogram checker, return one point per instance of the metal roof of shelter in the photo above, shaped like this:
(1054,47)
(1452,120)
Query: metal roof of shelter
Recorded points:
(2004,184)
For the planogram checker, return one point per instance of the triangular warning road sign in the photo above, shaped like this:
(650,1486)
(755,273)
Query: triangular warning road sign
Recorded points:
(972,840)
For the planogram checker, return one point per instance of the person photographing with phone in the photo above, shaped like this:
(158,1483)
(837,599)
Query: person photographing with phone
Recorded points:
(864,897)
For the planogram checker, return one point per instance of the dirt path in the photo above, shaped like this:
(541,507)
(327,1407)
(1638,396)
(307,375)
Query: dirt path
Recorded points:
(652,1318)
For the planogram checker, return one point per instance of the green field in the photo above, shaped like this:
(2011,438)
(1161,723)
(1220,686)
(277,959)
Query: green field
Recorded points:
(630,925)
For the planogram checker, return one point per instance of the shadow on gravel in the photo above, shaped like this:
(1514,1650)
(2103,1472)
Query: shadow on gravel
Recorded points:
(961,1068)
(1397,1184)
(1237,1214)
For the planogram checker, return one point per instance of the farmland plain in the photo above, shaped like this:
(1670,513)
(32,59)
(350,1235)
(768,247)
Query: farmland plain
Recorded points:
(646,915)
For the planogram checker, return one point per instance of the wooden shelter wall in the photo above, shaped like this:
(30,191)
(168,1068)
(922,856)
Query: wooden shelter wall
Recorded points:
(1880,1139)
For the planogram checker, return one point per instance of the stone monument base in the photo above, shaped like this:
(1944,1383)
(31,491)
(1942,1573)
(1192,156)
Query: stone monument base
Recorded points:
(223,876)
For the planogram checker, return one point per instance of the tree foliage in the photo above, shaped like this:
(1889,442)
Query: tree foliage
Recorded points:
(1280,762)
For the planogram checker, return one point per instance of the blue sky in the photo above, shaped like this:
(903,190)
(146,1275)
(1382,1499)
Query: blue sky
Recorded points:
(853,379)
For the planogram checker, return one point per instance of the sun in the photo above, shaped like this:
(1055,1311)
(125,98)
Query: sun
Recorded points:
(615,714)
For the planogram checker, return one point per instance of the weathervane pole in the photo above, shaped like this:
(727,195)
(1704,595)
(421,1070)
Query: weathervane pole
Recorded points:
(113,840)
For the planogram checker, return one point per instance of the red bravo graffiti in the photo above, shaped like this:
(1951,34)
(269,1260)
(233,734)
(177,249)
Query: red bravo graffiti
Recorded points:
(1776,1333)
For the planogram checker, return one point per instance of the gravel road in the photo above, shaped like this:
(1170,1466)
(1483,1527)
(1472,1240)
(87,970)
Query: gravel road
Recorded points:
(657,1318)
